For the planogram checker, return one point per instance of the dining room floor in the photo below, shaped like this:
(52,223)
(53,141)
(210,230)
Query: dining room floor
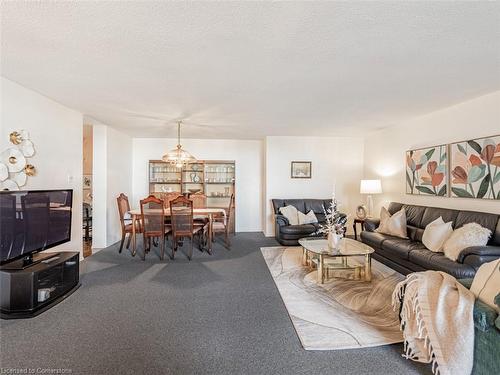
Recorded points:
(218,314)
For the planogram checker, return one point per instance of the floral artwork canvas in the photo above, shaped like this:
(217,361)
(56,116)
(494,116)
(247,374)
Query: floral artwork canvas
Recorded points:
(475,168)
(426,171)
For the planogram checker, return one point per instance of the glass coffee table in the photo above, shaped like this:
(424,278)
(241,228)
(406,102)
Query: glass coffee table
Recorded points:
(317,253)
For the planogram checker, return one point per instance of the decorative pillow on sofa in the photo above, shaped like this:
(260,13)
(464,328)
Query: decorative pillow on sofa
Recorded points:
(290,212)
(486,283)
(310,218)
(436,233)
(471,234)
(394,225)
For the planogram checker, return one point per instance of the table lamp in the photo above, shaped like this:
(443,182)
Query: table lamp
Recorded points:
(370,187)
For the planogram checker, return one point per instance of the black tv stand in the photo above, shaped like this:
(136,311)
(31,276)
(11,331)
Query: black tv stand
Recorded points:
(28,261)
(27,292)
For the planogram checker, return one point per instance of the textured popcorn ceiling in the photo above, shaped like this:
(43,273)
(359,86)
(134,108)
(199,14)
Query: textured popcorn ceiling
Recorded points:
(250,69)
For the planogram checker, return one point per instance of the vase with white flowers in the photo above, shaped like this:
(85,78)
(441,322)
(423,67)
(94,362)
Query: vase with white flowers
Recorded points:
(334,226)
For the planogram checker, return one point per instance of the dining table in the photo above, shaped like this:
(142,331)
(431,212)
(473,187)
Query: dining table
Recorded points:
(209,213)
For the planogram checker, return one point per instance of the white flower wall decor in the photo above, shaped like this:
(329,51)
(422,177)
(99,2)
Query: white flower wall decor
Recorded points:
(14,166)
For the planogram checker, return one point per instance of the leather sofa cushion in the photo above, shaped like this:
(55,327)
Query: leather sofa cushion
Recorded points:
(400,247)
(432,213)
(297,203)
(486,220)
(320,216)
(304,229)
(495,238)
(303,205)
(414,214)
(438,262)
(277,203)
(316,205)
(414,233)
(394,207)
(374,239)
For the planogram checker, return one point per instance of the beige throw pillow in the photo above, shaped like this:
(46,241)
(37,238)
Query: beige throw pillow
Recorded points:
(394,225)
(290,212)
(471,234)
(486,283)
(436,234)
(310,218)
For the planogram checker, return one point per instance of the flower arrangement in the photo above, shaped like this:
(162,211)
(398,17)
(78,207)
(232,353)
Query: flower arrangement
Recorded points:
(334,220)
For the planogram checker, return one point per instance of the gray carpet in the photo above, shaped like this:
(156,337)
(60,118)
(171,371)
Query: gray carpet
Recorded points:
(219,314)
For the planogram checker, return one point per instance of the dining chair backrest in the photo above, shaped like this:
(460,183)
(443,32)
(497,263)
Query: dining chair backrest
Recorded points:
(181,213)
(123,208)
(168,197)
(199,200)
(152,216)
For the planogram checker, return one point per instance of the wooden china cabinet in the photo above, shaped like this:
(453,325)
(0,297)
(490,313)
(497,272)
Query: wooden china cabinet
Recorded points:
(214,178)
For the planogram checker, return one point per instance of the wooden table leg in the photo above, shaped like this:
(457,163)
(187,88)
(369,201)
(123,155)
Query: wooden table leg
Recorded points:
(209,248)
(133,235)
(368,267)
(304,257)
(355,231)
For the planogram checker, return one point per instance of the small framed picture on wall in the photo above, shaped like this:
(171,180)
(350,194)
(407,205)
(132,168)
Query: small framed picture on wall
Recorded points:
(301,169)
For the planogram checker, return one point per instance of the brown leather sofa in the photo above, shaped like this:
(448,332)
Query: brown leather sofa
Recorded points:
(410,255)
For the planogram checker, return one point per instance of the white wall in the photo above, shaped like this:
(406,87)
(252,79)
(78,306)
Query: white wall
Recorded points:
(99,185)
(336,162)
(249,180)
(385,150)
(56,132)
(119,175)
(112,167)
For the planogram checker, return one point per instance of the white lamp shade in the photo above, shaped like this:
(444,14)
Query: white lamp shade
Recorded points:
(370,187)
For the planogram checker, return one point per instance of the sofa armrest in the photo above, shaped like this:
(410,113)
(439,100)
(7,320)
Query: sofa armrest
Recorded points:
(487,253)
(371,224)
(466,282)
(281,220)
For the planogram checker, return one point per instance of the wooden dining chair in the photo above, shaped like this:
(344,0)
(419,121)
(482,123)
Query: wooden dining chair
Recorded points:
(153,222)
(199,200)
(126,221)
(168,197)
(181,213)
(222,224)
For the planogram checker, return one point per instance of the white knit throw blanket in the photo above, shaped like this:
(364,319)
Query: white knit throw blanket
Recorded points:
(436,320)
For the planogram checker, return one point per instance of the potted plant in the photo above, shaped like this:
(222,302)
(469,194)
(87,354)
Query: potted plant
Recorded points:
(334,224)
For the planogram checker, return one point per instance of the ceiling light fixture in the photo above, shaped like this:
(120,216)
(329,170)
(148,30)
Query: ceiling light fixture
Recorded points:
(178,157)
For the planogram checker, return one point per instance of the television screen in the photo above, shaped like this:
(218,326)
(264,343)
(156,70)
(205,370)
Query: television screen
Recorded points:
(32,221)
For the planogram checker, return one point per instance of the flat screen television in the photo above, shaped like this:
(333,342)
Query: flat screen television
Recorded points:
(33,221)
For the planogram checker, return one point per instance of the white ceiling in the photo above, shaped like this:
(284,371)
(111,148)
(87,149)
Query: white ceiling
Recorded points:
(251,69)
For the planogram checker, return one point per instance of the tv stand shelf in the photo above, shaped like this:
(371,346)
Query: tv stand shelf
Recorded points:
(27,292)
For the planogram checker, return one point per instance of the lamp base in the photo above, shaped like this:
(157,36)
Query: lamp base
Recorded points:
(369,201)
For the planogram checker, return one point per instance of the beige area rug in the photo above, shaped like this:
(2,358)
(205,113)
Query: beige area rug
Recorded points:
(341,313)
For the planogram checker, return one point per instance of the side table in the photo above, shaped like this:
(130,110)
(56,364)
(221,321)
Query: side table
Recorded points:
(354,226)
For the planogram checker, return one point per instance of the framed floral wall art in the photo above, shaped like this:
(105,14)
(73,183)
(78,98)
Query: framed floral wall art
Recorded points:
(475,168)
(427,171)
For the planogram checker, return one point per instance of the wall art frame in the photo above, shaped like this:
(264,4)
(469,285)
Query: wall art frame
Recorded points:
(301,169)
(426,171)
(475,168)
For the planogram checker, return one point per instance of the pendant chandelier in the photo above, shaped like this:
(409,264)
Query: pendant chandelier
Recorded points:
(178,157)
